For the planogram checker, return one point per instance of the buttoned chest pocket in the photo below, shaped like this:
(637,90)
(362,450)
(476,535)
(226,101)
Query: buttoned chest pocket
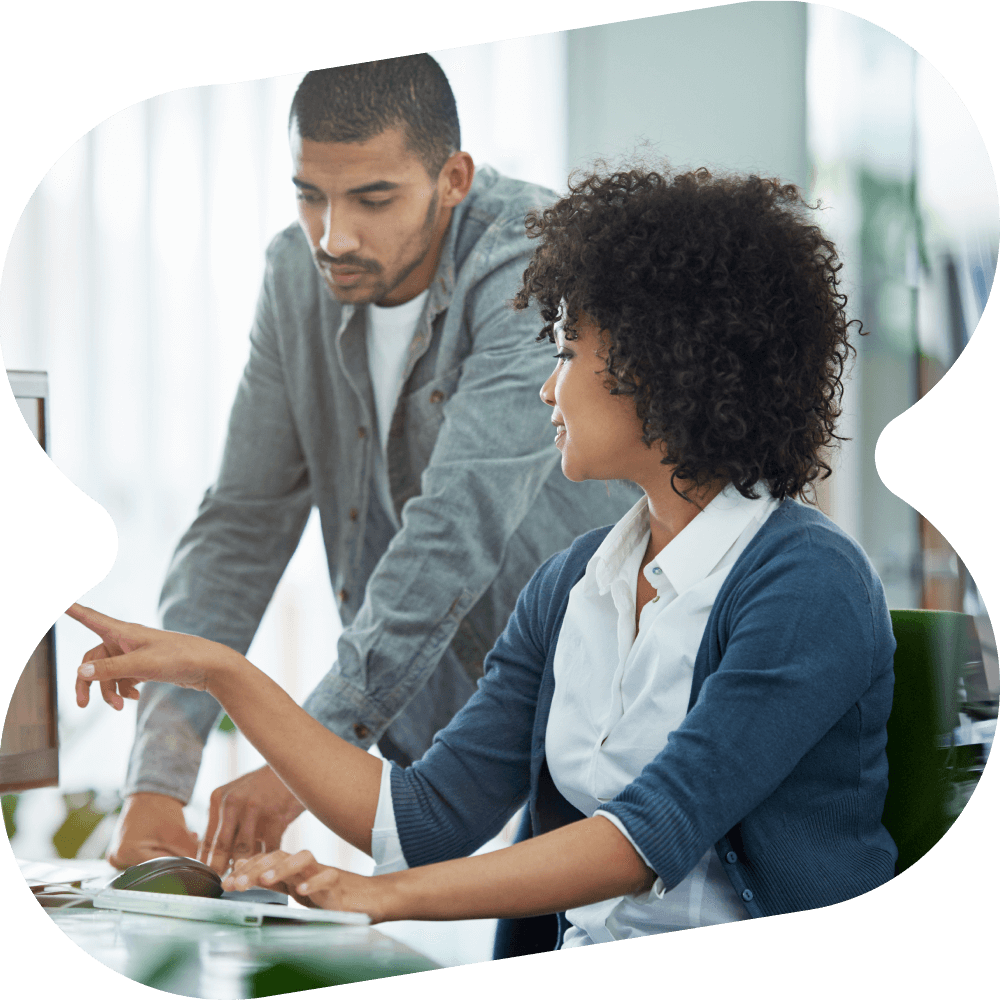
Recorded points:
(420,415)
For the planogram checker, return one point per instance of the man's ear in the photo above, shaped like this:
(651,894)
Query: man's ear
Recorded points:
(456,179)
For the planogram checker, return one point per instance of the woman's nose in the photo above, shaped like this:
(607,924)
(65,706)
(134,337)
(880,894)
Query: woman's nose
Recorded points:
(547,389)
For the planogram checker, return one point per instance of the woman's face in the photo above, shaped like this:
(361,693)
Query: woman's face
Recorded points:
(599,435)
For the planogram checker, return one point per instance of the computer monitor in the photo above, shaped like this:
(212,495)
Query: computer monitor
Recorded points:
(29,745)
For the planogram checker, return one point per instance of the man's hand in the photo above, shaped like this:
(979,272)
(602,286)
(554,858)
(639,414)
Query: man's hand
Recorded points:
(246,817)
(150,826)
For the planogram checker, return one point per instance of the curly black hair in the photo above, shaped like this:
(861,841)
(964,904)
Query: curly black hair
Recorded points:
(719,303)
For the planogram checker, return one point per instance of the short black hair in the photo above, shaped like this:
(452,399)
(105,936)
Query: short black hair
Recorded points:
(722,312)
(356,103)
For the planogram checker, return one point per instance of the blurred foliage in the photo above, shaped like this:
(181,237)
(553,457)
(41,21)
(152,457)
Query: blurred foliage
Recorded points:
(84,813)
(176,966)
(289,975)
(9,806)
(169,969)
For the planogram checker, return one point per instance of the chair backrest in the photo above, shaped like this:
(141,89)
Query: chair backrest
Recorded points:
(933,652)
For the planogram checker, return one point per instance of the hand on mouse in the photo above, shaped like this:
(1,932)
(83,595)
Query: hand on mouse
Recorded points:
(312,884)
(131,653)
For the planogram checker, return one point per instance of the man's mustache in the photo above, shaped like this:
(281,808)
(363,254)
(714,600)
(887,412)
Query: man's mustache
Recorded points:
(347,260)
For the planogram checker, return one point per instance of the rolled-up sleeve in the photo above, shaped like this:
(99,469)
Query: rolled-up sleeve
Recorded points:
(387,852)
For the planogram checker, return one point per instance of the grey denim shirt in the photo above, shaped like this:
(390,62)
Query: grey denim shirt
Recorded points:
(478,497)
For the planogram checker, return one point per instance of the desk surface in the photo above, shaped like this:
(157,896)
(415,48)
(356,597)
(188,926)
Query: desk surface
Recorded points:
(199,959)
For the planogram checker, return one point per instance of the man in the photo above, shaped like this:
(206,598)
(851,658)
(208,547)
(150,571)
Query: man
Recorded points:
(390,386)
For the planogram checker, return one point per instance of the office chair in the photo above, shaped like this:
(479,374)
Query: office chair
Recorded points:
(935,652)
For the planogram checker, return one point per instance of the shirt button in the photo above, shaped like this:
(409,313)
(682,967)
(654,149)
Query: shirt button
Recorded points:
(362,432)
(361,730)
(654,599)
(731,857)
(747,895)
(353,513)
(343,595)
(437,396)
(657,571)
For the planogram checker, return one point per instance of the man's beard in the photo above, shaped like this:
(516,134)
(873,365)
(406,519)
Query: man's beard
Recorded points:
(382,289)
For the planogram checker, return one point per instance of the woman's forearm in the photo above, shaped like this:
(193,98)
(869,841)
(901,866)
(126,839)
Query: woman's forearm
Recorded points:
(581,863)
(334,780)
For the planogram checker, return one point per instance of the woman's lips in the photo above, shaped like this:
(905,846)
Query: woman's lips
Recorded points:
(560,434)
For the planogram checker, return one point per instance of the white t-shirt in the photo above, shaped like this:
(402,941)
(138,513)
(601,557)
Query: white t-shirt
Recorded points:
(389,333)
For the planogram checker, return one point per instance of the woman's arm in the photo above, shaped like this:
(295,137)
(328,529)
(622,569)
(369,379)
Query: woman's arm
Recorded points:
(581,863)
(334,780)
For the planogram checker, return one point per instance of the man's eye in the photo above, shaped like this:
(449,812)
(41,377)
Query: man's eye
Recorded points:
(308,196)
(369,203)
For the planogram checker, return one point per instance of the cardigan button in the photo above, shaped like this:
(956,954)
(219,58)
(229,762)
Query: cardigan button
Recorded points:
(361,730)
(437,396)
(747,895)
(731,857)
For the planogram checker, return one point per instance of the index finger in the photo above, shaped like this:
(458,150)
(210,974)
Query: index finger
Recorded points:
(91,618)
(111,630)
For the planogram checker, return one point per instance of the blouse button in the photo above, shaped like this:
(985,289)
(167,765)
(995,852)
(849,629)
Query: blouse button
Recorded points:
(361,730)
(362,432)
(343,595)
(657,571)
(655,599)
(353,513)
(437,396)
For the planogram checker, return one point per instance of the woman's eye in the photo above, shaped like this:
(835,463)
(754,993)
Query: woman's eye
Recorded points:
(563,355)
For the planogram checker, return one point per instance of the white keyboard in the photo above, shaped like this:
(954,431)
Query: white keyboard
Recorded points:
(220,911)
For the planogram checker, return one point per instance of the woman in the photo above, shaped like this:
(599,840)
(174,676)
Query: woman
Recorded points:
(692,702)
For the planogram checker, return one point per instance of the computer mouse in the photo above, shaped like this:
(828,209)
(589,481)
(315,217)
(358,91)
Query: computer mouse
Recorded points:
(180,876)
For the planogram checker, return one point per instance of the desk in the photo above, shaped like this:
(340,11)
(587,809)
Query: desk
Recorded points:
(199,959)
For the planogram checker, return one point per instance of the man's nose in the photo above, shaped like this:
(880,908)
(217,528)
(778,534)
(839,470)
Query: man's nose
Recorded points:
(339,236)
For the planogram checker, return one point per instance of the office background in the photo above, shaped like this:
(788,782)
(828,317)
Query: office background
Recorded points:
(133,273)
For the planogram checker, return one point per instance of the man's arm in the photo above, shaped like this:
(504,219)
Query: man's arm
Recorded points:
(222,576)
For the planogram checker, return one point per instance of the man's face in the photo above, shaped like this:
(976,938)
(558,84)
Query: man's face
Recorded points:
(373,216)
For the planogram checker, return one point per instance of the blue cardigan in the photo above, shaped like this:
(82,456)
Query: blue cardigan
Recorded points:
(780,761)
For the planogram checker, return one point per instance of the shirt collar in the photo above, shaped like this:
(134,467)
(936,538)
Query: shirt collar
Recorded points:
(618,545)
(691,555)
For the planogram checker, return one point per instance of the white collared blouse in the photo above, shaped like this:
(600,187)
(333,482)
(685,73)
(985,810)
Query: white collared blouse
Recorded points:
(619,694)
